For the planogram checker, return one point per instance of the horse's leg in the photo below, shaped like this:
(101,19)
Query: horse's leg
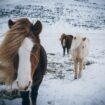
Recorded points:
(75,69)
(64,51)
(80,68)
(68,51)
(34,93)
(25,97)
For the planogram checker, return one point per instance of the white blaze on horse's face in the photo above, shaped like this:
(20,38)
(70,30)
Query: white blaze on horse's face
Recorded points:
(24,79)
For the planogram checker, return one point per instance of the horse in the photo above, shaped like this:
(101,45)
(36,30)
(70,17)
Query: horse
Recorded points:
(79,52)
(23,60)
(66,41)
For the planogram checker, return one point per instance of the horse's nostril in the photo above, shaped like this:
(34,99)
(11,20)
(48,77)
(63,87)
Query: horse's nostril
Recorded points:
(28,85)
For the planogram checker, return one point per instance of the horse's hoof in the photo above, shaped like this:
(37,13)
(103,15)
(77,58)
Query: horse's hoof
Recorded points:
(75,77)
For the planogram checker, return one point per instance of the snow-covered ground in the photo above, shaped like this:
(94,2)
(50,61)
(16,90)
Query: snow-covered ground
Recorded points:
(58,86)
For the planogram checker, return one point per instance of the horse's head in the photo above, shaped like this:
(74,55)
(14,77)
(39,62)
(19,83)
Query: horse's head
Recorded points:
(62,39)
(25,25)
(76,41)
(28,52)
(63,36)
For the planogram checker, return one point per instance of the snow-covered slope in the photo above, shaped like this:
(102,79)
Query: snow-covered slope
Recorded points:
(73,13)
(59,87)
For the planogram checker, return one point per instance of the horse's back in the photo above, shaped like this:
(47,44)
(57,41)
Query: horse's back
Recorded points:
(70,36)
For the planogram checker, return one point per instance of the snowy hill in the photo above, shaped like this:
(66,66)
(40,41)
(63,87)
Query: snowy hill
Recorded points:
(77,13)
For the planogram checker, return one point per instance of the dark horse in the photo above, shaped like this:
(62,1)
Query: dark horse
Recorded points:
(66,41)
(21,47)
(37,79)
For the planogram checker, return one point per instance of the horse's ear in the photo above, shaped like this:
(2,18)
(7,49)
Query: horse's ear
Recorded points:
(84,38)
(10,23)
(37,28)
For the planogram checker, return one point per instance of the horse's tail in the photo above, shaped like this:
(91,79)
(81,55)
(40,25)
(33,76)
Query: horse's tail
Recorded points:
(76,42)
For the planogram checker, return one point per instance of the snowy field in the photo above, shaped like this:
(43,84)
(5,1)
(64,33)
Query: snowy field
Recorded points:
(59,86)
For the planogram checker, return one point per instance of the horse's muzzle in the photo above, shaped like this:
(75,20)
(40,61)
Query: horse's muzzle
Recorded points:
(25,88)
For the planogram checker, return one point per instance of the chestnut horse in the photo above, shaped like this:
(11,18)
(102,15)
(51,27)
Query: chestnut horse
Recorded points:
(79,52)
(23,59)
(66,41)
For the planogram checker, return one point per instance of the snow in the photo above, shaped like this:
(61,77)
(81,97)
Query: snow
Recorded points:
(88,90)
(58,86)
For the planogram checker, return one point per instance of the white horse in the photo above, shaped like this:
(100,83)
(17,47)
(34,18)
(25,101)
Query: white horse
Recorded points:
(79,51)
